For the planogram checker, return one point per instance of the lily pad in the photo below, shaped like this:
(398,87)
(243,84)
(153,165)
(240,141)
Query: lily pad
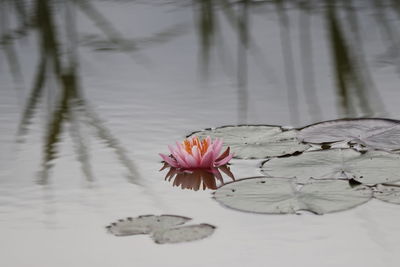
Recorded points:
(145,224)
(388,193)
(183,234)
(371,167)
(285,196)
(256,141)
(385,139)
(375,133)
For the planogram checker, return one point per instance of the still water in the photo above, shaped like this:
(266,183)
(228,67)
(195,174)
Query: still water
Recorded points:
(92,91)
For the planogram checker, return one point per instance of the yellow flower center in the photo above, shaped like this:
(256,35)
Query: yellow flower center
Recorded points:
(201,145)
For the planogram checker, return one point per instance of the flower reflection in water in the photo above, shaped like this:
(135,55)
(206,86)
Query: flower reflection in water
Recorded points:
(196,162)
(197,178)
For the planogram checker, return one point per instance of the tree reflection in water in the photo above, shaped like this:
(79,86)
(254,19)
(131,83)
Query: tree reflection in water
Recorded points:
(57,71)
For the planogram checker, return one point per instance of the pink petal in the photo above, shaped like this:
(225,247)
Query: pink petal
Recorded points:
(224,160)
(180,150)
(207,159)
(172,162)
(217,146)
(190,161)
(182,162)
(196,154)
(171,149)
(179,154)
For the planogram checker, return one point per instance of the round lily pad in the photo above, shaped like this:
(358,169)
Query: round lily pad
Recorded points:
(183,233)
(285,196)
(385,139)
(374,133)
(388,193)
(372,167)
(256,141)
(145,224)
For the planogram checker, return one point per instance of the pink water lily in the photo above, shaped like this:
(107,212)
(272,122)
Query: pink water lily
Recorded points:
(194,153)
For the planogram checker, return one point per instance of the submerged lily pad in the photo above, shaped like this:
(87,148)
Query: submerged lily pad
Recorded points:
(372,167)
(388,193)
(183,234)
(375,133)
(283,195)
(163,229)
(145,224)
(256,141)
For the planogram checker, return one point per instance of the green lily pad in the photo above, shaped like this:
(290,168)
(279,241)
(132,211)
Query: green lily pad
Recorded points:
(388,193)
(373,133)
(256,141)
(285,196)
(145,224)
(372,167)
(183,234)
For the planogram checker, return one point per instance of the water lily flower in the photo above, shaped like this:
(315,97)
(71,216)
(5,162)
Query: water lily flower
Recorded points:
(194,153)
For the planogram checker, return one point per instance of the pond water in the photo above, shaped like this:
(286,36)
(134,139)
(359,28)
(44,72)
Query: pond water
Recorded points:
(92,91)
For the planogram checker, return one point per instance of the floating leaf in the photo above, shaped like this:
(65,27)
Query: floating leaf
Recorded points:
(374,133)
(385,139)
(388,193)
(372,167)
(145,224)
(284,195)
(183,234)
(256,141)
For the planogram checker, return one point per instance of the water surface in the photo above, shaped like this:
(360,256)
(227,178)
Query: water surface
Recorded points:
(92,91)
